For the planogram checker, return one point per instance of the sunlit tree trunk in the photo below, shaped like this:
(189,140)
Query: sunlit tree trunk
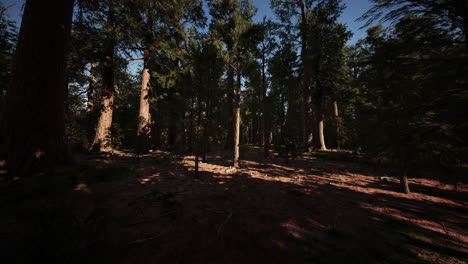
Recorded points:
(144,119)
(90,104)
(320,124)
(237,112)
(404,182)
(102,140)
(230,108)
(336,119)
(35,126)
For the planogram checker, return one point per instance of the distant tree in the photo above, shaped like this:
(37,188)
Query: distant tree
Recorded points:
(451,15)
(239,37)
(265,49)
(413,92)
(326,41)
(285,99)
(152,24)
(7,50)
(287,13)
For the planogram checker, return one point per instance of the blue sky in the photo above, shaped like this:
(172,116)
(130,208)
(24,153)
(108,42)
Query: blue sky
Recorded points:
(354,9)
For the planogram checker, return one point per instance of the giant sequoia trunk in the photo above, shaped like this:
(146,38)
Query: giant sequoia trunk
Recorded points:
(336,119)
(35,126)
(318,97)
(230,109)
(319,116)
(90,104)
(144,113)
(237,113)
(306,93)
(102,140)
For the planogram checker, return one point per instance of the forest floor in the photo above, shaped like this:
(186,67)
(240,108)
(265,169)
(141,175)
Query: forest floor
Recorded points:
(124,208)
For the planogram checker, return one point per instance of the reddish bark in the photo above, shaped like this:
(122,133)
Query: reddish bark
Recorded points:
(35,126)
(307,88)
(90,104)
(144,119)
(102,140)
(237,112)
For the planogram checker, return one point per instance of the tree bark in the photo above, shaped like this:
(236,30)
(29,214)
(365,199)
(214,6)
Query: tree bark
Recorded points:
(144,118)
(306,93)
(35,126)
(319,116)
(90,104)
(404,182)
(102,140)
(172,131)
(336,118)
(255,127)
(237,112)
(266,142)
(230,109)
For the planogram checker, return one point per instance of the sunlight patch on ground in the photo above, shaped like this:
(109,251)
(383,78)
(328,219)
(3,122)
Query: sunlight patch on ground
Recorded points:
(82,188)
(148,179)
(434,225)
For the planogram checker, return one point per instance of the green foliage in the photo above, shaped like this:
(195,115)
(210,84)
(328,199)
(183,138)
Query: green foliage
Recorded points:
(448,14)
(412,94)
(7,49)
(400,91)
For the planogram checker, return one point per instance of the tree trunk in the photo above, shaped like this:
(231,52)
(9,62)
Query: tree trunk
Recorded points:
(90,104)
(336,118)
(206,124)
(144,119)
(172,131)
(254,129)
(266,142)
(237,112)
(306,93)
(230,107)
(35,126)
(102,140)
(319,116)
(404,182)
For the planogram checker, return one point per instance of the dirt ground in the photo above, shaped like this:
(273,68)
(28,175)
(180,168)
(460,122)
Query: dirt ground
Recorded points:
(305,210)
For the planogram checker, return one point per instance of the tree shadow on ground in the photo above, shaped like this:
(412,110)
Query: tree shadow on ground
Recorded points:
(285,213)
